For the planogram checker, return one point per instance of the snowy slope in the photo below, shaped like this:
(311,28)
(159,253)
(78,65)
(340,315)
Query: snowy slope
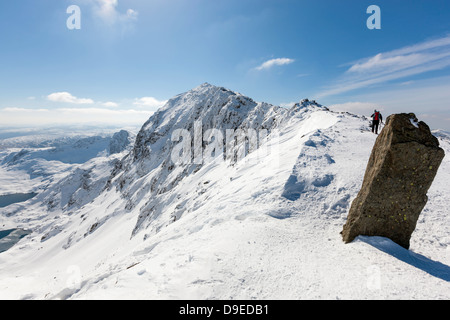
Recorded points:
(263,227)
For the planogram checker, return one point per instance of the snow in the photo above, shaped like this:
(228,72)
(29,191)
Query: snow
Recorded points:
(414,122)
(124,226)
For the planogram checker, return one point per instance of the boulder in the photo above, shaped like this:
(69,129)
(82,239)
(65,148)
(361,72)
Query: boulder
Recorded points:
(401,169)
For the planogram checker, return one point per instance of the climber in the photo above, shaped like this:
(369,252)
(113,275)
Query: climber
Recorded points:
(376,118)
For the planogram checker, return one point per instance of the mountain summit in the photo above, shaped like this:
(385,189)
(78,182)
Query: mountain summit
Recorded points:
(193,120)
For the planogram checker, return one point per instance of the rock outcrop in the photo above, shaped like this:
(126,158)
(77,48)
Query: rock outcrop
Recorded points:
(120,141)
(401,169)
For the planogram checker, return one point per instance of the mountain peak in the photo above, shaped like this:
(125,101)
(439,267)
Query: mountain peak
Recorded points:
(208,88)
(305,103)
(206,85)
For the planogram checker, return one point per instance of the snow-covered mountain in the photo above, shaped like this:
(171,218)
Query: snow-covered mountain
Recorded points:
(38,161)
(222,197)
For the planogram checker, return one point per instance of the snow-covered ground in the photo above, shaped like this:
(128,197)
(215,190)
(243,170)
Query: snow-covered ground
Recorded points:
(129,226)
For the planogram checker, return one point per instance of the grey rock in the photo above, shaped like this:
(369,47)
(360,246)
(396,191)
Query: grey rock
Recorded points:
(120,141)
(400,171)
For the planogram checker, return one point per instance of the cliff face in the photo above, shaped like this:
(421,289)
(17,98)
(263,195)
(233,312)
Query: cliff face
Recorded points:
(401,169)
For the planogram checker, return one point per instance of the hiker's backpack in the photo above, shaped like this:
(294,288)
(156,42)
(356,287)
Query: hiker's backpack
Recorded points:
(377,116)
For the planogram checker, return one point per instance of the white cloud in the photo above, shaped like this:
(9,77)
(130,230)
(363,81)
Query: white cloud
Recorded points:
(108,12)
(396,64)
(149,102)
(106,9)
(132,14)
(110,104)
(274,62)
(66,97)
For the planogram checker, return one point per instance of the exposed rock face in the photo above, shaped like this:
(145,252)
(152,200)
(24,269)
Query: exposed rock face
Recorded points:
(401,169)
(120,141)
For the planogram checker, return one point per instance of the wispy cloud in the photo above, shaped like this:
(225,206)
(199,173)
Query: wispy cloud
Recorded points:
(397,64)
(66,97)
(383,63)
(274,62)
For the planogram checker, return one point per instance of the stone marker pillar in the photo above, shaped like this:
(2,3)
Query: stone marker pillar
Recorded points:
(401,169)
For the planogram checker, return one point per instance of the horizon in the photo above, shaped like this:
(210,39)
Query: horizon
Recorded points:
(118,61)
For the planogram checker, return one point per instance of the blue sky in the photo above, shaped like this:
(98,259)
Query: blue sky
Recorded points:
(131,55)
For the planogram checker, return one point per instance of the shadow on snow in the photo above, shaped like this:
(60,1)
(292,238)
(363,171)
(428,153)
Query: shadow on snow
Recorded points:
(434,268)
